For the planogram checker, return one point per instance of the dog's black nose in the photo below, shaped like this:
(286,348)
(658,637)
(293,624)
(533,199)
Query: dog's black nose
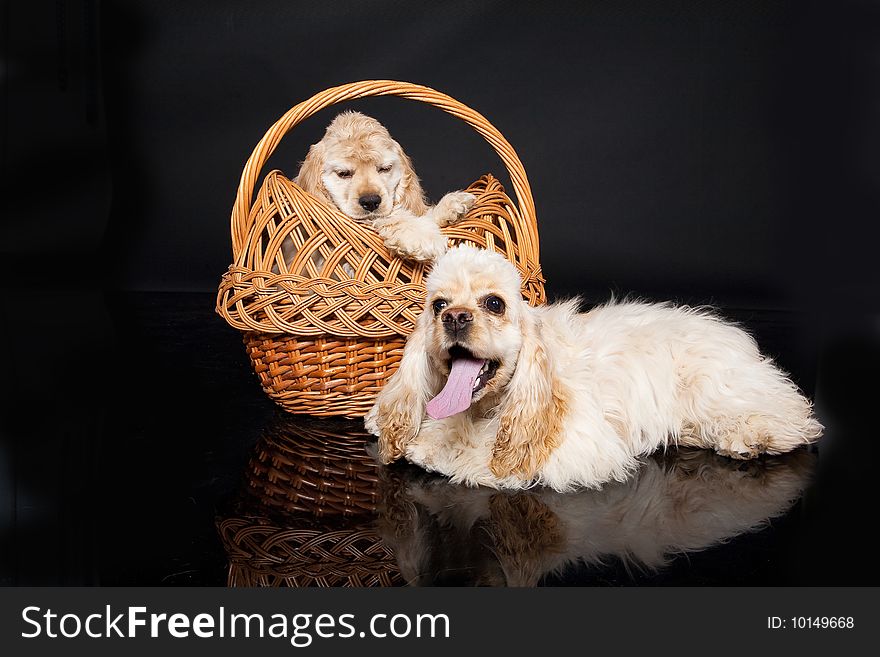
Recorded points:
(455,319)
(370,202)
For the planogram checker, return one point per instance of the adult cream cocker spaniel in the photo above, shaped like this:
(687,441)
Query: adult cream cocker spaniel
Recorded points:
(365,173)
(493,392)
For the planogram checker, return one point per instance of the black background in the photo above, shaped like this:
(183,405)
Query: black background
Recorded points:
(705,152)
(708,151)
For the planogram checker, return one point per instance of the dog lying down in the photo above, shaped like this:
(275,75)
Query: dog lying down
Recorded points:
(360,169)
(493,392)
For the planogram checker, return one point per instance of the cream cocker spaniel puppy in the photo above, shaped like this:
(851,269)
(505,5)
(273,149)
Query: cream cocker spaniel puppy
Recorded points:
(365,173)
(493,392)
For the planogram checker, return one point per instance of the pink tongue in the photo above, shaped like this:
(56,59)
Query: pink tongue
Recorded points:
(456,394)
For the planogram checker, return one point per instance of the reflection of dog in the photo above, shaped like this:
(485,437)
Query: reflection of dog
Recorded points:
(683,500)
(361,170)
(494,392)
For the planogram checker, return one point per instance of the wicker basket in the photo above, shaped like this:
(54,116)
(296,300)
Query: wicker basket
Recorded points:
(307,511)
(323,342)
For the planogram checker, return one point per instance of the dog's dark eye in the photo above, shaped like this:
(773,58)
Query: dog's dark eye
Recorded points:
(494,304)
(439,305)
(344,173)
(385,169)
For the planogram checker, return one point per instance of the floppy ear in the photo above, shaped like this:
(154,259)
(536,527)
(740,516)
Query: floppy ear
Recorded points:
(309,176)
(410,194)
(400,407)
(532,412)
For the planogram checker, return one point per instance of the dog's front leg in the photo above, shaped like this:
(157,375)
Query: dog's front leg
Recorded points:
(397,415)
(452,208)
(411,237)
(395,423)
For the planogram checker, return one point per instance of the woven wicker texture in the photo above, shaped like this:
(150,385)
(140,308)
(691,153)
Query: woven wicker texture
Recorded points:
(306,512)
(269,555)
(319,468)
(325,331)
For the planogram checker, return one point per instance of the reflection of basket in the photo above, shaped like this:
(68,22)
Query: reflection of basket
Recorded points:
(268,555)
(306,513)
(323,341)
(320,468)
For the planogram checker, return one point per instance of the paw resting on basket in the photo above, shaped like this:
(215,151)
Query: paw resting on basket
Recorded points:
(410,237)
(452,208)
(418,238)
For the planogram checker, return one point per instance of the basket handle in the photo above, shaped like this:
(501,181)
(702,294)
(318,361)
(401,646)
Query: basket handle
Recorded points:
(364,89)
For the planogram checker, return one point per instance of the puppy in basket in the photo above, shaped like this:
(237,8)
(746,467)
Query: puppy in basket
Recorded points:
(361,170)
(493,392)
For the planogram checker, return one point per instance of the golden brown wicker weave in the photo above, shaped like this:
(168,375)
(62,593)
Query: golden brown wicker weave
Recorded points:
(306,515)
(320,468)
(268,555)
(321,340)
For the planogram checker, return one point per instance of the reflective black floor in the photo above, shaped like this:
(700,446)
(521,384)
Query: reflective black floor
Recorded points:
(138,448)
(315,508)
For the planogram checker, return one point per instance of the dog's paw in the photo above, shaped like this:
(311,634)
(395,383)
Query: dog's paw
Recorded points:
(452,207)
(371,420)
(412,238)
(740,448)
(426,249)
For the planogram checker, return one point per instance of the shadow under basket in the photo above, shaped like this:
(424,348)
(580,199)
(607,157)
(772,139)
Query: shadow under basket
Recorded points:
(325,330)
